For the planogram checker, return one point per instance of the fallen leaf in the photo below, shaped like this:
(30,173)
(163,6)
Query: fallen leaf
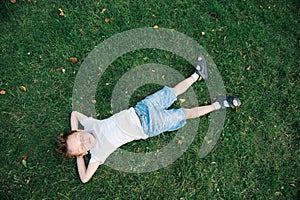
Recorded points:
(179,142)
(73,59)
(138,150)
(293,184)
(13,1)
(27,180)
(278,193)
(24,163)
(181,100)
(109,19)
(24,157)
(103,10)
(61,12)
(93,101)
(23,88)
(2,92)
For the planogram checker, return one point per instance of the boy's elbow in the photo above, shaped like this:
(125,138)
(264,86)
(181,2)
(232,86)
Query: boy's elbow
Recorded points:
(84,180)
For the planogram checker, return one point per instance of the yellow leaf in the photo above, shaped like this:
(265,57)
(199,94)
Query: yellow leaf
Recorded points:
(103,10)
(179,142)
(61,12)
(27,181)
(93,101)
(181,100)
(2,92)
(23,88)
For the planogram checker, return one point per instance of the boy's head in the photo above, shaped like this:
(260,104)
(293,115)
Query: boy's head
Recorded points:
(74,143)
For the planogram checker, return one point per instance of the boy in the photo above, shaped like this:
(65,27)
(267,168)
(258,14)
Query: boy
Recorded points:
(148,118)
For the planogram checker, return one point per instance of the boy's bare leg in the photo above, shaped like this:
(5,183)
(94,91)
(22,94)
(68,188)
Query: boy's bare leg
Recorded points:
(199,111)
(182,86)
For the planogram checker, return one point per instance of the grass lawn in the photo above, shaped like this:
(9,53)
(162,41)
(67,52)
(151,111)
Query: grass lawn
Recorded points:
(255,45)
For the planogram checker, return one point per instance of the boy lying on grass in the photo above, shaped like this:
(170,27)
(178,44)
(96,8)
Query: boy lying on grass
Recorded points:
(148,118)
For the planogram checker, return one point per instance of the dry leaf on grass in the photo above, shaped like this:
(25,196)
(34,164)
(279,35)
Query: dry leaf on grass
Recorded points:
(181,100)
(179,142)
(27,180)
(61,12)
(93,101)
(103,10)
(73,59)
(24,163)
(2,92)
(109,19)
(23,88)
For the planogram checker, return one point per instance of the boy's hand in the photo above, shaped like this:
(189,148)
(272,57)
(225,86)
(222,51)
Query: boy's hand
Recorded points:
(76,117)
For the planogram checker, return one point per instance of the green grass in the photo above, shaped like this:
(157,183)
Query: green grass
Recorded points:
(255,45)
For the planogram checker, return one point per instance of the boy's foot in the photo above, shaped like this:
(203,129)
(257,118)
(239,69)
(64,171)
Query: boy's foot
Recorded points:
(223,102)
(201,69)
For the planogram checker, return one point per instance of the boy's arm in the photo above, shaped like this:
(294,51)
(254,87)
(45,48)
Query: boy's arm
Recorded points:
(86,174)
(75,118)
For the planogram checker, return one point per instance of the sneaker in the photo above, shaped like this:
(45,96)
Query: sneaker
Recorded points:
(201,69)
(228,101)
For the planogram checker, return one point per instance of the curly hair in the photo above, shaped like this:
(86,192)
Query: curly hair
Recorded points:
(62,146)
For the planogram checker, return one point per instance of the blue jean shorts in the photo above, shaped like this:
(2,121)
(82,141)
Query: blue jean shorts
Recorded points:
(155,116)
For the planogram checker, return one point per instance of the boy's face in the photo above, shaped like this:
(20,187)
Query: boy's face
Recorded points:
(80,143)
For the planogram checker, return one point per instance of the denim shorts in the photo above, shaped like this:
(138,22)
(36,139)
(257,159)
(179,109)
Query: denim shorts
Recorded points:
(155,116)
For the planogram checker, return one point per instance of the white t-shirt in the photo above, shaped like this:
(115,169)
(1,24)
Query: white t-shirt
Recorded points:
(113,132)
